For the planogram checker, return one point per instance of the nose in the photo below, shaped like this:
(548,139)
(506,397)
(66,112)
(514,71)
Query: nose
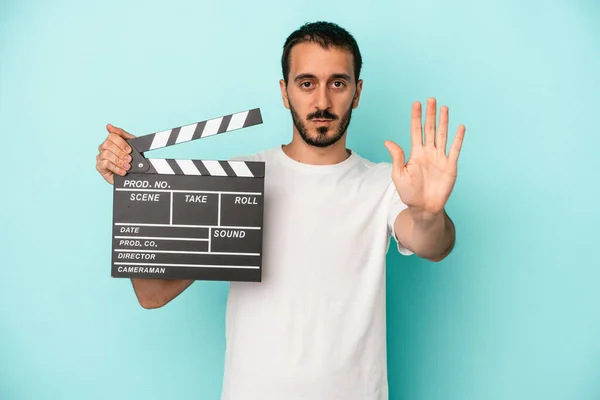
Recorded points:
(322,101)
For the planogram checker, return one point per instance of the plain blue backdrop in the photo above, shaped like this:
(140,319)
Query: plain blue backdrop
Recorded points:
(511,314)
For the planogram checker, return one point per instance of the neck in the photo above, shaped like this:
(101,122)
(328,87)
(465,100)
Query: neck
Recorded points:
(302,152)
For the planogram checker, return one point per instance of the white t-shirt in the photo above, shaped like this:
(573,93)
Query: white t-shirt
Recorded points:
(315,327)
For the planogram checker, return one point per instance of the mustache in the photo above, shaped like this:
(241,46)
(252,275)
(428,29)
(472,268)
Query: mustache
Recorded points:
(321,114)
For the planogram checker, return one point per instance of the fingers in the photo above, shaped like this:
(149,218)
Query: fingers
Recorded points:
(112,157)
(113,154)
(430,122)
(397,154)
(107,161)
(107,169)
(442,131)
(415,125)
(117,145)
(457,144)
(432,138)
(118,131)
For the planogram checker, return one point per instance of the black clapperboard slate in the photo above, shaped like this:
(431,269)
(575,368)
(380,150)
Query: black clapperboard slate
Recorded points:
(189,219)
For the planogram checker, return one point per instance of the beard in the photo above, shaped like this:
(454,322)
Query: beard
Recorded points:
(322,139)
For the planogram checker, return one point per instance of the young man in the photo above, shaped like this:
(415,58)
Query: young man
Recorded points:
(314,328)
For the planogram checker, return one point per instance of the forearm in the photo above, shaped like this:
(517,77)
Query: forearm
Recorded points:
(431,236)
(155,293)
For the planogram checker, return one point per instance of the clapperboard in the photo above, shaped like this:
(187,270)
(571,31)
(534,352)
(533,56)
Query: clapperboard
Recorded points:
(189,219)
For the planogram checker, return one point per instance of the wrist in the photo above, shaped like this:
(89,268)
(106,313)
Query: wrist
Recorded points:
(425,218)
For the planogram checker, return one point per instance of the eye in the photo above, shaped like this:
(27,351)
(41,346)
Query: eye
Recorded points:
(338,84)
(306,85)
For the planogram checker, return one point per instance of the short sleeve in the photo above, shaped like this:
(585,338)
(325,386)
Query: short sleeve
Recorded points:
(259,156)
(395,207)
(251,157)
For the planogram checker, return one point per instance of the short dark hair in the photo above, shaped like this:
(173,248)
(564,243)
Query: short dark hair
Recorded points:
(325,34)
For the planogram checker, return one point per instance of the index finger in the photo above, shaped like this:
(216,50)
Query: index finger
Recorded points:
(416,134)
(118,131)
(457,144)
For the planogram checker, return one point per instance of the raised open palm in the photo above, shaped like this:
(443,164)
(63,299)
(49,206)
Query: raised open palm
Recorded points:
(425,182)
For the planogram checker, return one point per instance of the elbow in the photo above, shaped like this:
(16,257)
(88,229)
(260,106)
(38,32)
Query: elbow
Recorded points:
(150,303)
(436,259)
(148,295)
(442,256)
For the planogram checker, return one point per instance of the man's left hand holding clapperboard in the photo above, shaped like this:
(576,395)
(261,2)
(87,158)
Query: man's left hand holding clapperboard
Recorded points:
(176,221)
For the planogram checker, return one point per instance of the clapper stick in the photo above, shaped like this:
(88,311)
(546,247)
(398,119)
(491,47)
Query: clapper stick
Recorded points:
(189,219)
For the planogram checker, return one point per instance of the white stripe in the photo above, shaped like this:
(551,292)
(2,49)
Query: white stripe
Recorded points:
(214,168)
(188,167)
(186,133)
(161,166)
(240,168)
(162,238)
(212,126)
(190,265)
(222,253)
(187,226)
(237,121)
(187,191)
(160,139)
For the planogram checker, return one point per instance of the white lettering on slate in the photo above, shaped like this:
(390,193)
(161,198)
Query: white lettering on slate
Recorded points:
(229,234)
(137,243)
(245,200)
(191,198)
(136,256)
(134,243)
(145,197)
(136,184)
(142,270)
(130,229)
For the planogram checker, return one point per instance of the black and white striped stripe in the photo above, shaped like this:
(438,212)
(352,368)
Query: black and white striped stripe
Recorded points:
(244,169)
(198,130)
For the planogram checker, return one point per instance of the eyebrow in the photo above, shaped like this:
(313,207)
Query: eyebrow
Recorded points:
(311,76)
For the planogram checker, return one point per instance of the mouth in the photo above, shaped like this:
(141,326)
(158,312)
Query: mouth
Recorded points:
(321,121)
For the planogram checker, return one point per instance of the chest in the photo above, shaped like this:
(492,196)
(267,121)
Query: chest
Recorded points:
(324,207)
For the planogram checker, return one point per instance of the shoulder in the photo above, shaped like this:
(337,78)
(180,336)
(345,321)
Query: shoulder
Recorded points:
(263,155)
(374,170)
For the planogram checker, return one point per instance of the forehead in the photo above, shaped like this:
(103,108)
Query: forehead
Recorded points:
(313,59)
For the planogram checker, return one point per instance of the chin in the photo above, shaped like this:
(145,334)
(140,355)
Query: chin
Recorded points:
(318,139)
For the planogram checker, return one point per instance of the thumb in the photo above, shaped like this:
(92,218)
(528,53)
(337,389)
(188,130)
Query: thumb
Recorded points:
(397,154)
(118,131)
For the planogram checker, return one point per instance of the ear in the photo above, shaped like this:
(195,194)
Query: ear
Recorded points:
(357,94)
(284,95)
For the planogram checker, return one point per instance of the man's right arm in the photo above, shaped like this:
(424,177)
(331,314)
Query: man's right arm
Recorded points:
(114,158)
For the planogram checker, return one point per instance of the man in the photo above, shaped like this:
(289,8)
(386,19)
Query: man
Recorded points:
(314,328)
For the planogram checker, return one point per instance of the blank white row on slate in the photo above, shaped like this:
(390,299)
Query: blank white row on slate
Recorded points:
(188,167)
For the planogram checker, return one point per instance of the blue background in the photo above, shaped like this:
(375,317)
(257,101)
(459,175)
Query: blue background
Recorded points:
(513,312)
